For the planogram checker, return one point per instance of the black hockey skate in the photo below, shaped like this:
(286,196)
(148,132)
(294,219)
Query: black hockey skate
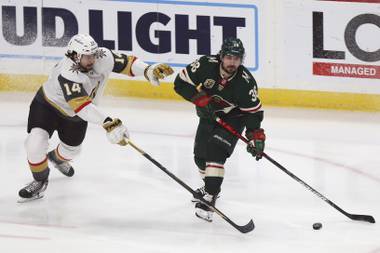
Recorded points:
(202,211)
(64,167)
(33,191)
(201,192)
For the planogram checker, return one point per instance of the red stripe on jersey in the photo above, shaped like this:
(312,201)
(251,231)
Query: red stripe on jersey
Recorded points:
(36,164)
(82,106)
(215,166)
(255,109)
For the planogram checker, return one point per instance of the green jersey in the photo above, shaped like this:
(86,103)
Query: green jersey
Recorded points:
(235,96)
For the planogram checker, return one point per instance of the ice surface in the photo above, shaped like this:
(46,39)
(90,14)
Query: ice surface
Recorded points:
(118,201)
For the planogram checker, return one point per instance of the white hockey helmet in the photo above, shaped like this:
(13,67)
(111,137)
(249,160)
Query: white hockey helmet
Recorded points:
(82,44)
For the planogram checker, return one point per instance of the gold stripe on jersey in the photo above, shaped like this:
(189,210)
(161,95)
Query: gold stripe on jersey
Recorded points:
(128,68)
(54,104)
(38,167)
(77,103)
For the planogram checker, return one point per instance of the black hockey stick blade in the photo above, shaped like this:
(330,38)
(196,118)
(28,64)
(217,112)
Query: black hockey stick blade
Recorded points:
(360,217)
(243,229)
(247,228)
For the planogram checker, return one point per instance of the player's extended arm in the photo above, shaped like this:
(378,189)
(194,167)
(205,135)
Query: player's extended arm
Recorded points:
(132,66)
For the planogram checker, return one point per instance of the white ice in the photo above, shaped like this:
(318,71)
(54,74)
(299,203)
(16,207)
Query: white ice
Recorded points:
(118,201)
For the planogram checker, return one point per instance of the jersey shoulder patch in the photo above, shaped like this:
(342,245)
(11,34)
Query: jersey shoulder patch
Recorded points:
(104,61)
(71,71)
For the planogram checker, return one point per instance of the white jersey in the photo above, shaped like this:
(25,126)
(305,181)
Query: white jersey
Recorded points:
(69,90)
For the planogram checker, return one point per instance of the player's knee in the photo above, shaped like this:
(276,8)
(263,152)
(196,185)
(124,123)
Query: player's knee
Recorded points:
(36,144)
(68,152)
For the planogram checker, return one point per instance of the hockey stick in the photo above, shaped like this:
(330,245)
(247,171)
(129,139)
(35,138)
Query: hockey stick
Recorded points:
(358,217)
(244,229)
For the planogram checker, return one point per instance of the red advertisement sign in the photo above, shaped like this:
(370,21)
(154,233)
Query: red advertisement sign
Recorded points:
(346,70)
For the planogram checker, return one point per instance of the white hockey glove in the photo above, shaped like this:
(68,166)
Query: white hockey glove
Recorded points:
(116,131)
(153,73)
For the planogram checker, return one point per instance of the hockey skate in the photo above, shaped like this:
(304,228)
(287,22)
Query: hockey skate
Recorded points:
(202,211)
(201,192)
(63,166)
(32,191)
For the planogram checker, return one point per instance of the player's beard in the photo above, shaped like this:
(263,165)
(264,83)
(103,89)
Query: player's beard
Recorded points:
(87,68)
(229,69)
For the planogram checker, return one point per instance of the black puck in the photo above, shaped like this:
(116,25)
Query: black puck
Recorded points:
(317,226)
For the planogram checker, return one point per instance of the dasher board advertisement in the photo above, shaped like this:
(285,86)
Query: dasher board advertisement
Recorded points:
(176,32)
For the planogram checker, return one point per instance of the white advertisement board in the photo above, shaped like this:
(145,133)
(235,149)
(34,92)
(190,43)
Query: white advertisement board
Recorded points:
(176,32)
(304,45)
(329,46)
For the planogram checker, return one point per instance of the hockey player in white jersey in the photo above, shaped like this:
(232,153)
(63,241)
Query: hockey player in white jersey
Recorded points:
(68,100)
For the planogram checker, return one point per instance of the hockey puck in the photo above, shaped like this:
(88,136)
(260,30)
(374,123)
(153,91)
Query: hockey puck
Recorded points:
(317,226)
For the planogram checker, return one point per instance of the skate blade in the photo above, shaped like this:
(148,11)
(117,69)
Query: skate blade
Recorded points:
(25,200)
(203,218)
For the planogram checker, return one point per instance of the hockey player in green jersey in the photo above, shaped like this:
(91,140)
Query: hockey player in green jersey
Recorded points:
(221,86)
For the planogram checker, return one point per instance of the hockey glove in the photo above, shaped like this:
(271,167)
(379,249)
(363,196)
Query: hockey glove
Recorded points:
(204,107)
(153,73)
(201,99)
(116,131)
(256,142)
